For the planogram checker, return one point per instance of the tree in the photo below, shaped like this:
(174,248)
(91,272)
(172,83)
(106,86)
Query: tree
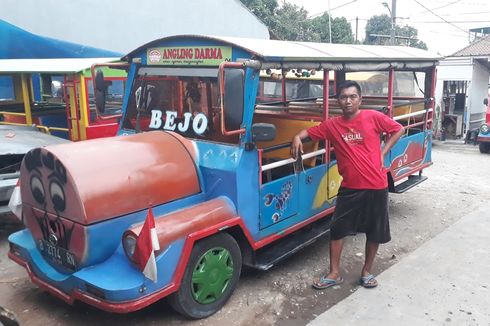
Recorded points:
(378,29)
(290,22)
(265,10)
(341,29)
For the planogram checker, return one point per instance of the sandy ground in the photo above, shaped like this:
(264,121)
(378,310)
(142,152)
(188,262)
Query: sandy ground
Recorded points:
(459,182)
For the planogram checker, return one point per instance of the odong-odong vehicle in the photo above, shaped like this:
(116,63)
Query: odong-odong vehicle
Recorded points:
(211,163)
(57,96)
(484,131)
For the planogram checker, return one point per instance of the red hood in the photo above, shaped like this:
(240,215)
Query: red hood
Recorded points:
(91,181)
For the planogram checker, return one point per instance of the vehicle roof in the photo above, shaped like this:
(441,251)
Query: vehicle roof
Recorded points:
(64,65)
(278,53)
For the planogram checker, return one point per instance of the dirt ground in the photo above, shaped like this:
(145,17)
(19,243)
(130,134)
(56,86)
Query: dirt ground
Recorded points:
(459,182)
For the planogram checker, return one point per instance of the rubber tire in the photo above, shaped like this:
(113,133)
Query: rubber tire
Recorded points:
(484,148)
(182,300)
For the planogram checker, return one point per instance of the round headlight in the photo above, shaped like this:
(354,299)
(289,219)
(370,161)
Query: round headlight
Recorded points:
(129,244)
(484,129)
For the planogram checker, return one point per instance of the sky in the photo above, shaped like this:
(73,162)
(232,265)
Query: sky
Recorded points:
(442,24)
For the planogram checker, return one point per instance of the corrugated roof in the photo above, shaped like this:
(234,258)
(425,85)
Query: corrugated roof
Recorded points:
(479,47)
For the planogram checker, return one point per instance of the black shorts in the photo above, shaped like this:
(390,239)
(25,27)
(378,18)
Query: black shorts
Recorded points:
(364,211)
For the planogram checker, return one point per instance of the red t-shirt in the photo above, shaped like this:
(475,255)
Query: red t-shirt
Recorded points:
(357,146)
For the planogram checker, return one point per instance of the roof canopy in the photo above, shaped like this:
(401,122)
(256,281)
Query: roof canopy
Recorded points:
(289,54)
(17,43)
(63,65)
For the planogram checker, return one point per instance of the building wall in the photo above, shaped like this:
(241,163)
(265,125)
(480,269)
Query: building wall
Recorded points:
(479,91)
(124,25)
(465,69)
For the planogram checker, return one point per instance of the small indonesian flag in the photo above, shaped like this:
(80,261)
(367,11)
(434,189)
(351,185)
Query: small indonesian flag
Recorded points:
(15,202)
(146,244)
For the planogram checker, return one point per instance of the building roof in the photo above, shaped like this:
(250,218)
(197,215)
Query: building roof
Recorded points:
(62,65)
(480,47)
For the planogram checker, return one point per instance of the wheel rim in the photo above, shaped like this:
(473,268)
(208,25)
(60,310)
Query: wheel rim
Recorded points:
(212,275)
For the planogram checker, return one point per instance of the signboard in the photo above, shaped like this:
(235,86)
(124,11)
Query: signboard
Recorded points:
(189,55)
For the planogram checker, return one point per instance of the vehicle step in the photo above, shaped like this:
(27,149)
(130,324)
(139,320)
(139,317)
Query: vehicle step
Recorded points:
(412,181)
(269,256)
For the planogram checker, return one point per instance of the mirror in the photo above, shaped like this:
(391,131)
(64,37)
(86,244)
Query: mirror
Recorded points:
(100,91)
(263,132)
(233,98)
(485,101)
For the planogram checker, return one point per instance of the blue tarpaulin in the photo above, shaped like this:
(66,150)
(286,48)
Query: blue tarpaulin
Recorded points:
(16,43)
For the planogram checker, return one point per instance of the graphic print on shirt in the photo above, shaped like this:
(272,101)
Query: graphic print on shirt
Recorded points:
(352,137)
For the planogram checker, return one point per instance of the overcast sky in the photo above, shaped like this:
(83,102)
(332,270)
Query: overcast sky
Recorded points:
(442,24)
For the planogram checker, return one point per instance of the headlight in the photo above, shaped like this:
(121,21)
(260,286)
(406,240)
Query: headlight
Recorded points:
(484,129)
(129,244)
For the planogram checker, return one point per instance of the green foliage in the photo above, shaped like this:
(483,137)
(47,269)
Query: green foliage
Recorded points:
(381,25)
(290,22)
(265,10)
(293,24)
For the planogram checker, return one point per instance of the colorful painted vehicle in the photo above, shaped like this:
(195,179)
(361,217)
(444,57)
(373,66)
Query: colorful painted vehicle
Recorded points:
(57,96)
(484,132)
(213,164)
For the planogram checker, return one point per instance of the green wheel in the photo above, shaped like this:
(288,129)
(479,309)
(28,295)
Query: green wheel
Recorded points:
(210,277)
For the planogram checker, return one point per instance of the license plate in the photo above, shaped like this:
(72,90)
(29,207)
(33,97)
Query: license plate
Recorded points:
(57,255)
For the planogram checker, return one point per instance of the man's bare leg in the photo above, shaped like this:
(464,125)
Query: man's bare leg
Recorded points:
(335,253)
(371,250)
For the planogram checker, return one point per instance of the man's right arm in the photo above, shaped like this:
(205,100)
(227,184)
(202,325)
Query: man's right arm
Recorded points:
(297,144)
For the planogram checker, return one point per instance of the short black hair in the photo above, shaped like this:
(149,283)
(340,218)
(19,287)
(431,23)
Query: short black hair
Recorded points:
(347,84)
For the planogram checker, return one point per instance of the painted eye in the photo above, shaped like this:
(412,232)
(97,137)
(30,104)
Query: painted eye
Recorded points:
(37,189)
(57,196)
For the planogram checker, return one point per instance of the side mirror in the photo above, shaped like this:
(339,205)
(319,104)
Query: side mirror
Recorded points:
(231,78)
(263,132)
(233,97)
(100,90)
(485,101)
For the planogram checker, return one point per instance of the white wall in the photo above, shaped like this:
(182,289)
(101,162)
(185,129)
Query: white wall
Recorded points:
(479,91)
(459,68)
(124,25)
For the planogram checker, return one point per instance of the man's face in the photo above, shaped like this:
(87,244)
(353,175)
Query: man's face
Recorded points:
(349,101)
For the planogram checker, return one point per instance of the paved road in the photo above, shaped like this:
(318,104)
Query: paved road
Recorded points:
(445,281)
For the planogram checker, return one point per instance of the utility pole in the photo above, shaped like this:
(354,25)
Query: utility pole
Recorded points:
(329,23)
(357,26)
(393,22)
(392,11)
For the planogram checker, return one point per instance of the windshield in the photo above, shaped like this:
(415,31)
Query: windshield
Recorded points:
(175,99)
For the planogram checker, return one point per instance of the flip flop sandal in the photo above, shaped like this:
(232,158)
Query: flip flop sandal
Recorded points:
(368,281)
(325,282)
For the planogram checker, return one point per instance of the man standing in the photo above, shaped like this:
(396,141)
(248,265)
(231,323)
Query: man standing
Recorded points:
(362,201)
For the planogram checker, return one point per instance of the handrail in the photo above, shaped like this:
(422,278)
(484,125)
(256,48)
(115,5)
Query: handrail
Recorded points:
(287,161)
(413,114)
(13,113)
(45,129)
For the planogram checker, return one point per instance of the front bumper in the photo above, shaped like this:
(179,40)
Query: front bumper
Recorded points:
(114,285)
(7,185)
(484,138)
